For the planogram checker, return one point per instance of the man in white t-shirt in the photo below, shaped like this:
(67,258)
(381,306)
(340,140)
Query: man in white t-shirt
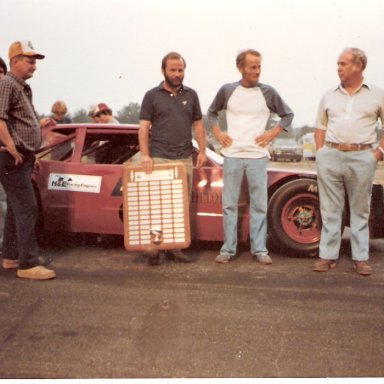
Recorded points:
(248,106)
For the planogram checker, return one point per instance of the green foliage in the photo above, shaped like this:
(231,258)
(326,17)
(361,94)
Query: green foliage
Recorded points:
(301,131)
(80,116)
(130,114)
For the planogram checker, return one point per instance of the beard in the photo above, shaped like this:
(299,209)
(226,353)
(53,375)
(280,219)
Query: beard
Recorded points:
(175,83)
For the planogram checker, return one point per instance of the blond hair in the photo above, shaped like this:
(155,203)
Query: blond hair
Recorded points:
(59,108)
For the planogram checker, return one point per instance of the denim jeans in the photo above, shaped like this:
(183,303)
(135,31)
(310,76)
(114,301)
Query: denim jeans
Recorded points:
(255,171)
(340,173)
(20,220)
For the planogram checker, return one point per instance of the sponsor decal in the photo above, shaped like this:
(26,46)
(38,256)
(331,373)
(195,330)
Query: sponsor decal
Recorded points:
(74,183)
(312,188)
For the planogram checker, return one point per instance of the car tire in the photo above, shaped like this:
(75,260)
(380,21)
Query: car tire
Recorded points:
(294,221)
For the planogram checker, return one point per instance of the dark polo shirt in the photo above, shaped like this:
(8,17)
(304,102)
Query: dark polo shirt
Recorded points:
(171,120)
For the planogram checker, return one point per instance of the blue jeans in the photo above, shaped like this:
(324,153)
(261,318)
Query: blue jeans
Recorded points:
(340,173)
(256,173)
(20,220)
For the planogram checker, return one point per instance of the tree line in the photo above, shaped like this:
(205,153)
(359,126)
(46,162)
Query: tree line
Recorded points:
(130,114)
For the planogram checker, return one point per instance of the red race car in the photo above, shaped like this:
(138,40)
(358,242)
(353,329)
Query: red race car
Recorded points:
(78,183)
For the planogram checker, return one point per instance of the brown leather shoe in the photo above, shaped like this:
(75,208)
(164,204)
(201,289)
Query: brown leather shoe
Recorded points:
(362,268)
(36,273)
(322,265)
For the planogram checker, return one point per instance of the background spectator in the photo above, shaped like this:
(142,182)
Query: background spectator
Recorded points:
(102,114)
(59,115)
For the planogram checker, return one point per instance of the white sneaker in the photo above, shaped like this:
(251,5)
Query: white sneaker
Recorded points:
(263,259)
(222,258)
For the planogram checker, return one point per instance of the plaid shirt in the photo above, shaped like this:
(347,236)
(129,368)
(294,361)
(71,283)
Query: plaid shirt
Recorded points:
(17,110)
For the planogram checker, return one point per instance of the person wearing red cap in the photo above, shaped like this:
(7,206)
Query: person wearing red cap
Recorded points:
(102,114)
(20,137)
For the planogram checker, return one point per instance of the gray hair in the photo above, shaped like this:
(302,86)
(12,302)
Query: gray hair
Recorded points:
(359,56)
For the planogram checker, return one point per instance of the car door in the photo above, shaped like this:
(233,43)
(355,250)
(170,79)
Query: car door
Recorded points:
(205,205)
(83,193)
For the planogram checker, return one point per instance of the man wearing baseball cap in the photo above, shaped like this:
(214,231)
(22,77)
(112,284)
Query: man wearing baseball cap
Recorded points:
(20,137)
(102,114)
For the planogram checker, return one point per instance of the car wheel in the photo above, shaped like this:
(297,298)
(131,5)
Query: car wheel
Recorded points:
(294,221)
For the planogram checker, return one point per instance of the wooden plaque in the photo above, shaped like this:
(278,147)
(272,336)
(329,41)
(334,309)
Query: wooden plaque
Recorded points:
(156,207)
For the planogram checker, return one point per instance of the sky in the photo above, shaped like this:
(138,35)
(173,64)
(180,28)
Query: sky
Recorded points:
(110,50)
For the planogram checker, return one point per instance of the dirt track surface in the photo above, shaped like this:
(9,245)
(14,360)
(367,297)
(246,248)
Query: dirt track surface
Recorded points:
(109,314)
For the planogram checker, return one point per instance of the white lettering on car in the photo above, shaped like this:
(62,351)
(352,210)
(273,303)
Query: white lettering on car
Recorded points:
(312,188)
